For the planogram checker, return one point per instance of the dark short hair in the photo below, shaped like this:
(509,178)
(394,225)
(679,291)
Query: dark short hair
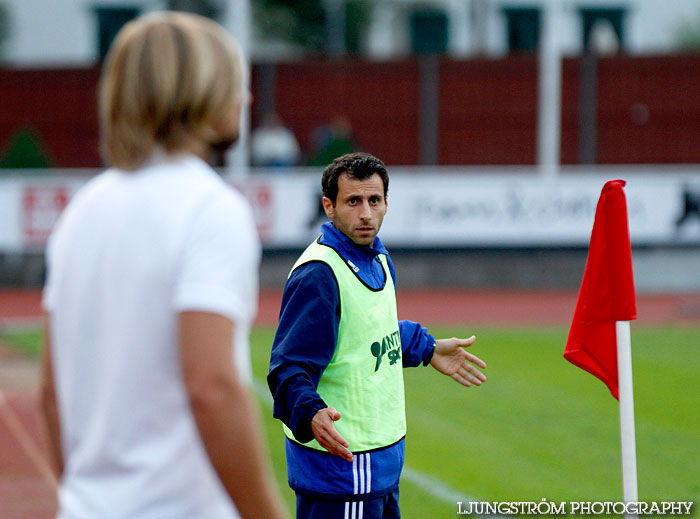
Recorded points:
(358,165)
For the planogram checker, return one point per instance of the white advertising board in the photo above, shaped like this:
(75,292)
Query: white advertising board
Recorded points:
(446,211)
(29,209)
(427,208)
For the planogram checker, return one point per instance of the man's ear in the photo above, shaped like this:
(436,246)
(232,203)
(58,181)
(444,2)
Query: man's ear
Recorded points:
(328,207)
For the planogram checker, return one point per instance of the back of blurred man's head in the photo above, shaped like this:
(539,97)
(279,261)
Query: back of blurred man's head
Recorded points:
(171,82)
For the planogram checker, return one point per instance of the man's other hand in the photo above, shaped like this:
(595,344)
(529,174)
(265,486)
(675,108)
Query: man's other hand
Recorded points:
(452,360)
(326,434)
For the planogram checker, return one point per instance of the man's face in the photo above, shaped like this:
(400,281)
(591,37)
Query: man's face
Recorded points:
(359,208)
(227,128)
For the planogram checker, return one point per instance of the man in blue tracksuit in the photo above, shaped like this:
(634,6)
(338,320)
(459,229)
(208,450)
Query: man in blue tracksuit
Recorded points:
(336,363)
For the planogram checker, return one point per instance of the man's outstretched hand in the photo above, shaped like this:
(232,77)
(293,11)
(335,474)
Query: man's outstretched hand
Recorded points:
(327,435)
(452,360)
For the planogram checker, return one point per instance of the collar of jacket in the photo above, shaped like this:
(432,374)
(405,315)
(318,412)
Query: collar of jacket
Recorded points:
(362,259)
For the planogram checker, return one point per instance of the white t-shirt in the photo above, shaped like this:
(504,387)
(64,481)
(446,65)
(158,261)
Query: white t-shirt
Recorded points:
(131,251)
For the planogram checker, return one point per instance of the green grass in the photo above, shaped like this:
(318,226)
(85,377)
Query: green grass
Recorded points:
(539,427)
(26,342)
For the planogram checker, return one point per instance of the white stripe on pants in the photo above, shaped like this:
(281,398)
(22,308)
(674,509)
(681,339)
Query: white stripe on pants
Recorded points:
(362,484)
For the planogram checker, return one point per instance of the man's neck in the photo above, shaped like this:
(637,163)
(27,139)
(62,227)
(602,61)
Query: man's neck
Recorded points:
(345,241)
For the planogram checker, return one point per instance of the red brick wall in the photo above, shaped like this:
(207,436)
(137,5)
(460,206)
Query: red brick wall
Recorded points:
(379,100)
(487,111)
(668,90)
(648,109)
(60,105)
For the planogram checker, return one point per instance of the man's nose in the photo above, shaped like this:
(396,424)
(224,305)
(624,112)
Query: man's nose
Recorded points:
(366,212)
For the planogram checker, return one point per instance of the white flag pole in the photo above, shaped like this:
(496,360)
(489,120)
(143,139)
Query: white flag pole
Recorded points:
(627,435)
(549,92)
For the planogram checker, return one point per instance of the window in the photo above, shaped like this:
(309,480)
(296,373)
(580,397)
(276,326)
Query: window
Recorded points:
(109,21)
(612,17)
(428,31)
(523,26)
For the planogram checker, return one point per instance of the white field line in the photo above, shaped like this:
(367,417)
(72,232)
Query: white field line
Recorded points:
(429,484)
(20,324)
(25,441)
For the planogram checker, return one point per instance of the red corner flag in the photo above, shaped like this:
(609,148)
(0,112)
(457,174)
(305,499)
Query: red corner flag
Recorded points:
(607,290)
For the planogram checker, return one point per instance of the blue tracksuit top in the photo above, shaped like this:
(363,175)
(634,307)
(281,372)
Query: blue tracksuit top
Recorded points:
(302,349)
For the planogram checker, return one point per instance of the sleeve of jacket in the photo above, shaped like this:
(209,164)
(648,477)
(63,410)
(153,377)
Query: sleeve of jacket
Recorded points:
(303,346)
(417,345)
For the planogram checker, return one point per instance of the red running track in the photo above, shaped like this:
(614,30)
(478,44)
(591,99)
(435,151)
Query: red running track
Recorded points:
(443,307)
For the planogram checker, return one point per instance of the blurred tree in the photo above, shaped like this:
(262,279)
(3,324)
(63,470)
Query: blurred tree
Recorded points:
(303,22)
(25,150)
(299,22)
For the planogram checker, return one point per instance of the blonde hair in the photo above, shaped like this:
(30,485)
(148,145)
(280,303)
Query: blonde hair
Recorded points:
(168,79)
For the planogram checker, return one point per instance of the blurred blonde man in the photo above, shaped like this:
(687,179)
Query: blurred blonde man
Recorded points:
(151,291)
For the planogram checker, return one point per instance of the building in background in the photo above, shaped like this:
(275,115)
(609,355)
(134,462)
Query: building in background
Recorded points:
(455,81)
(492,28)
(466,113)
(46,33)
